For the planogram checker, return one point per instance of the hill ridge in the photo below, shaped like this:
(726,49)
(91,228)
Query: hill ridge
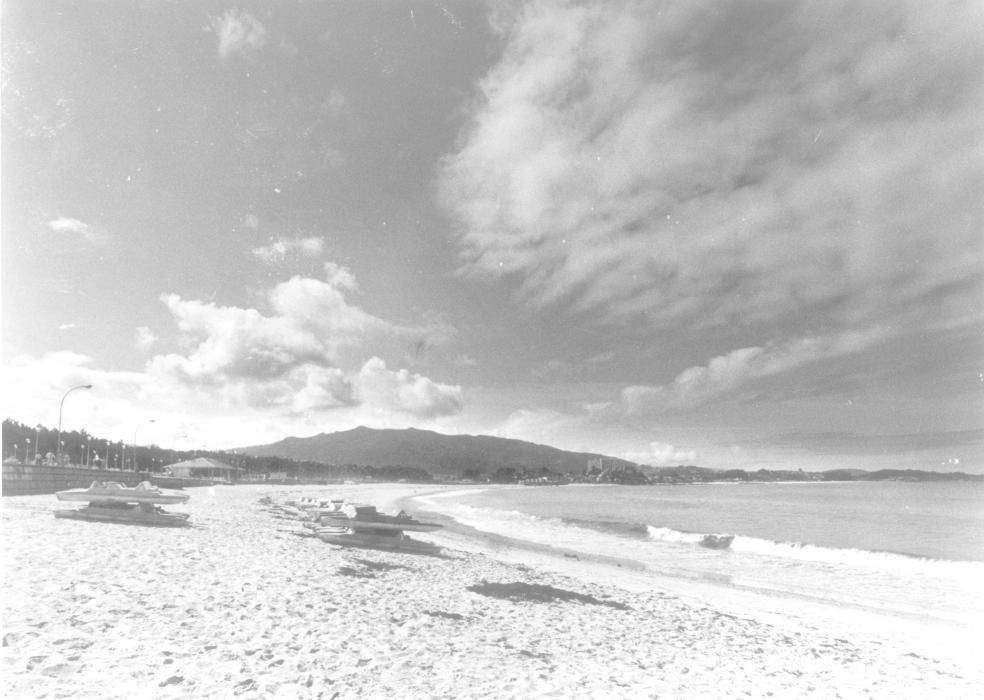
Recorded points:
(426,449)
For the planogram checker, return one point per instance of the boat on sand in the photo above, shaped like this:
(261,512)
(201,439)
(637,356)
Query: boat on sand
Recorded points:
(110,502)
(389,540)
(368,519)
(113,492)
(351,525)
(132,513)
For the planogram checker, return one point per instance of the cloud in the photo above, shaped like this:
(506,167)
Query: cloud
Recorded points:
(540,425)
(310,322)
(238,32)
(66,225)
(662,454)
(727,373)
(850,443)
(405,392)
(279,249)
(307,360)
(704,163)
(145,339)
(305,352)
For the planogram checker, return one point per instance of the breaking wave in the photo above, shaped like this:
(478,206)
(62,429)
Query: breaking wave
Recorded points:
(603,535)
(804,552)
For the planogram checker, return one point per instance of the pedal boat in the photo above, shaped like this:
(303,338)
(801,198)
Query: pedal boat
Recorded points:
(112,492)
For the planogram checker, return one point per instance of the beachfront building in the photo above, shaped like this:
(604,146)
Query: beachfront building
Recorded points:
(204,468)
(618,471)
(605,465)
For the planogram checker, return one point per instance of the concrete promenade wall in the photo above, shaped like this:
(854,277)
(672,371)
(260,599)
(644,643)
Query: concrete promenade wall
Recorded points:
(26,479)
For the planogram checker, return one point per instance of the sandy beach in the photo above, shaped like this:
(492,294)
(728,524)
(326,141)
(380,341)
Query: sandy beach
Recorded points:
(242,605)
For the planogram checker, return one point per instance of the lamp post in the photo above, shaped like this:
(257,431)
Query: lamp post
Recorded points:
(60,407)
(152,420)
(37,440)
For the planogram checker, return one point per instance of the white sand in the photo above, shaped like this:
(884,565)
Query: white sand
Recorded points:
(241,606)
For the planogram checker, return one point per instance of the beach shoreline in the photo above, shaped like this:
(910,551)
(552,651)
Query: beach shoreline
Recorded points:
(242,605)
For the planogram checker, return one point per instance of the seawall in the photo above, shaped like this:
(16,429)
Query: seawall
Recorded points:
(28,479)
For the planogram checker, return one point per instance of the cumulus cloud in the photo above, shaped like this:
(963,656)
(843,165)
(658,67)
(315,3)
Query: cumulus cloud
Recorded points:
(661,454)
(76,227)
(726,373)
(238,32)
(305,352)
(405,392)
(707,162)
(310,322)
(244,375)
(280,249)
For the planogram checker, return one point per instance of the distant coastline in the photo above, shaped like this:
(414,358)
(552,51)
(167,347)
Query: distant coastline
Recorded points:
(411,456)
(704,475)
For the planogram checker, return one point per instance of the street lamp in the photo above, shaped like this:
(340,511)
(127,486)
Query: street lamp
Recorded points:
(37,440)
(60,407)
(152,420)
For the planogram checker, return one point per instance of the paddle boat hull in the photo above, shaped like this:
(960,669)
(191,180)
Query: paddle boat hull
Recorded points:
(390,541)
(131,514)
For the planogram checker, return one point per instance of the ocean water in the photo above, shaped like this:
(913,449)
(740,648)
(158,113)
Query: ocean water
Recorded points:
(914,549)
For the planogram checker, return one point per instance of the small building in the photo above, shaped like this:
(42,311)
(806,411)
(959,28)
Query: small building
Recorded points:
(204,468)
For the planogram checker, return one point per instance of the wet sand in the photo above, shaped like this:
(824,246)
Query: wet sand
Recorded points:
(242,605)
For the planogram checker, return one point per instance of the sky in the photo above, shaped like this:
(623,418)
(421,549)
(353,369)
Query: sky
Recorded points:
(739,234)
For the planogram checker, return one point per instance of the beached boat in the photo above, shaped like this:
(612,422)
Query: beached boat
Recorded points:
(113,492)
(388,540)
(129,513)
(368,519)
(351,525)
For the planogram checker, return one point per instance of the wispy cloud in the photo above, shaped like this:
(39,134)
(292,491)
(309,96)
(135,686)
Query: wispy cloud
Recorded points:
(280,249)
(707,162)
(66,225)
(238,32)
(738,368)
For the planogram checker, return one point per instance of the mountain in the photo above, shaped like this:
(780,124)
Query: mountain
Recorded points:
(425,449)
